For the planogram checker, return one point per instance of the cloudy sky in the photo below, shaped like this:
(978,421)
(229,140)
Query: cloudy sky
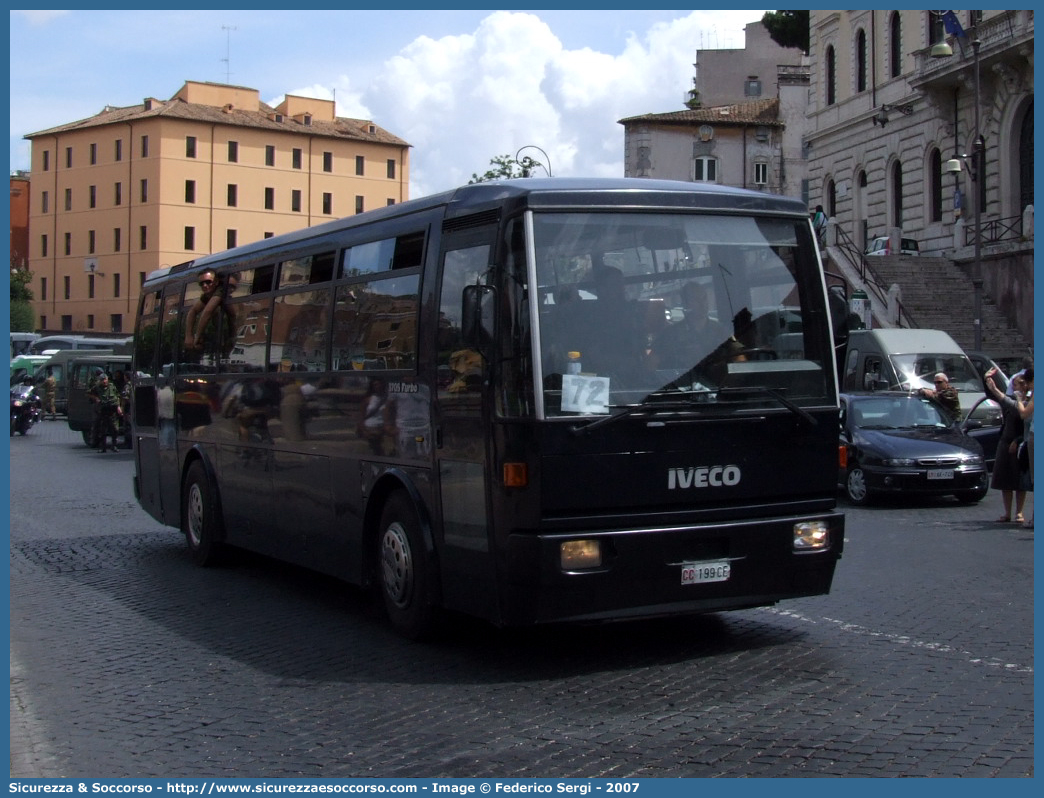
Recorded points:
(460,86)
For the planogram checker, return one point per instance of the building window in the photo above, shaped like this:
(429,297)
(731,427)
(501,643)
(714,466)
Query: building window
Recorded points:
(43,295)
(118,194)
(45,201)
(67,285)
(116,322)
(391,168)
(190,146)
(295,200)
(269,235)
(895,46)
(391,201)
(233,152)
(327,161)
(91,242)
(831,76)
(90,321)
(190,191)
(761,173)
(935,210)
(90,286)
(327,203)
(66,322)
(230,239)
(43,246)
(68,157)
(897,195)
(144,190)
(144,146)
(93,150)
(705,169)
(358,164)
(190,238)
(118,153)
(143,237)
(270,155)
(116,284)
(295,158)
(68,199)
(233,192)
(68,243)
(752,86)
(92,196)
(860,55)
(358,204)
(269,199)
(117,239)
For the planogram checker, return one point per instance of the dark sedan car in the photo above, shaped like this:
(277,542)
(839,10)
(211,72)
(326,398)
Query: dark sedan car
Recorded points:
(898,442)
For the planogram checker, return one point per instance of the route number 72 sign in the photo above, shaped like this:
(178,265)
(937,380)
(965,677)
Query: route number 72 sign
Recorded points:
(585,394)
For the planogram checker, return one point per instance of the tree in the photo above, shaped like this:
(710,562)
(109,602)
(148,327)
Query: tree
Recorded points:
(22,316)
(506,167)
(788,28)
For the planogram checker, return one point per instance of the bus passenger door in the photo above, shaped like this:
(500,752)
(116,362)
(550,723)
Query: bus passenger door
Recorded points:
(460,424)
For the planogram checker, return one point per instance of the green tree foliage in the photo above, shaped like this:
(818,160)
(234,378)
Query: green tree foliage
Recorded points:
(788,28)
(22,317)
(504,167)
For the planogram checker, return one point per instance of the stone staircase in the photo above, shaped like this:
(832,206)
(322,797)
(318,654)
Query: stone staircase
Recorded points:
(937,294)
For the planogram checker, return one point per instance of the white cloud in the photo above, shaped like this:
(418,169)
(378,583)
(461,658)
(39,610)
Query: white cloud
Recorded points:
(461,100)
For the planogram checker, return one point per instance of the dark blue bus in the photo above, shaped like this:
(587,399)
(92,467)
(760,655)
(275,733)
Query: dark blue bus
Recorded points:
(530,401)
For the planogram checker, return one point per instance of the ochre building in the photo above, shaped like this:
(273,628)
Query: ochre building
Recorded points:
(130,190)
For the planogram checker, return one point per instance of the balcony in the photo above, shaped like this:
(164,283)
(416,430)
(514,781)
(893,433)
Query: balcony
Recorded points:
(1006,41)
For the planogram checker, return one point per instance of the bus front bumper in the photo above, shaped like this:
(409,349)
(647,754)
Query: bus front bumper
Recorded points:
(614,574)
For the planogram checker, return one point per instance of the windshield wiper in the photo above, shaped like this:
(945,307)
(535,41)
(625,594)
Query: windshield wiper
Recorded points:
(653,402)
(800,412)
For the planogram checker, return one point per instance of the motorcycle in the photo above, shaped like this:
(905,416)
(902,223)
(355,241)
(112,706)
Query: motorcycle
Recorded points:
(26,408)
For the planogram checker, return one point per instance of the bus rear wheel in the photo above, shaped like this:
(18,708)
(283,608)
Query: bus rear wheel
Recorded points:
(200,520)
(403,571)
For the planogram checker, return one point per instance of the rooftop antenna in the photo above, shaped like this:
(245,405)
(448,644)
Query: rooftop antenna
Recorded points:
(228,43)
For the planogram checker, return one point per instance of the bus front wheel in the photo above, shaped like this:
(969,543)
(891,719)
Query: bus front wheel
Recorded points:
(200,520)
(403,571)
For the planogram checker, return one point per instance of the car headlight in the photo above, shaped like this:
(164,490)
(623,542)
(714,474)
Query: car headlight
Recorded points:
(971,459)
(899,461)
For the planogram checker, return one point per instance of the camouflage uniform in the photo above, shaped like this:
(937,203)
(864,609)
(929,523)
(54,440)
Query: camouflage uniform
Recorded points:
(109,406)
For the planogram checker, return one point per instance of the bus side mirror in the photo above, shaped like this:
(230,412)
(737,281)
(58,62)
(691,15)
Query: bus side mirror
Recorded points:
(477,322)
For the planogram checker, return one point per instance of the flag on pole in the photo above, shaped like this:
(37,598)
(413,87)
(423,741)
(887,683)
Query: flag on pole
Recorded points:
(952,25)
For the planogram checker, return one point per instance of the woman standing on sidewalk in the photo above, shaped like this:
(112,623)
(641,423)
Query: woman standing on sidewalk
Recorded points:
(1024,402)
(1006,476)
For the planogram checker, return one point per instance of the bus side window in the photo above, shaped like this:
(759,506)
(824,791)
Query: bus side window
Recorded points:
(299,331)
(375,324)
(459,367)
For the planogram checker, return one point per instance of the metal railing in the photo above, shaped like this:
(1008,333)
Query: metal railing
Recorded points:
(995,231)
(869,278)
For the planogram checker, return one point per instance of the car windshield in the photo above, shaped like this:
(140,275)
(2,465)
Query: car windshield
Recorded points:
(918,371)
(641,307)
(895,412)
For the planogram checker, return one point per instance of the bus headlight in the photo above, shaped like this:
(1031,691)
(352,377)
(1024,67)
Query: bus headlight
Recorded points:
(811,535)
(577,554)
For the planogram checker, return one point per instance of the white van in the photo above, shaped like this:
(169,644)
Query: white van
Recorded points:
(907,360)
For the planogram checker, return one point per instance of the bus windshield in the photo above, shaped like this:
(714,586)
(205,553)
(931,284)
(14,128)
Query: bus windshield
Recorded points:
(717,311)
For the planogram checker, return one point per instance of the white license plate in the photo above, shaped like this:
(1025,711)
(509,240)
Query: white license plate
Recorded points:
(940,473)
(694,573)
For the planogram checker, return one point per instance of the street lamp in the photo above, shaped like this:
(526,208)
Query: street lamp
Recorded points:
(978,162)
(528,163)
